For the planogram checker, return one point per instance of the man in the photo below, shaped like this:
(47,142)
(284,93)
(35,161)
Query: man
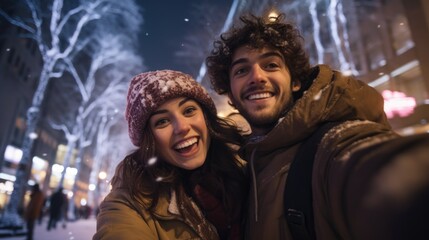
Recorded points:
(360,189)
(56,203)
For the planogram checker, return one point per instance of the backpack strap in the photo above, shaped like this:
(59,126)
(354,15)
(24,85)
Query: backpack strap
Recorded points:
(298,197)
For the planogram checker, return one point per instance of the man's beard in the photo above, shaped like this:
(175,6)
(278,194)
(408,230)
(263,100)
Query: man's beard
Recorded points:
(266,121)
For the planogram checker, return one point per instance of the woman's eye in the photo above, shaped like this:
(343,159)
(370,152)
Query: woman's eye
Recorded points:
(161,122)
(189,111)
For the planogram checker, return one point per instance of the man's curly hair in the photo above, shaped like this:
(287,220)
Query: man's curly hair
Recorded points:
(256,33)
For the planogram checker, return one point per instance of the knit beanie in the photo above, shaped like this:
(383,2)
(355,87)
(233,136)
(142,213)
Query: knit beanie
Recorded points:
(149,90)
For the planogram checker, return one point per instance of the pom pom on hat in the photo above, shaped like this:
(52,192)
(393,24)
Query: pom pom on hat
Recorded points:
(149,90)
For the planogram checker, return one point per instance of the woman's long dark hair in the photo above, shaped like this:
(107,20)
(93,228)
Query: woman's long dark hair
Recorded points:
(222,173)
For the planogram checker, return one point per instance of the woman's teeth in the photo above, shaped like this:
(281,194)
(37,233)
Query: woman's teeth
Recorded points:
(186,143)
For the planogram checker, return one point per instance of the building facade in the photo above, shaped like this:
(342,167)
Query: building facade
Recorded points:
(381,42)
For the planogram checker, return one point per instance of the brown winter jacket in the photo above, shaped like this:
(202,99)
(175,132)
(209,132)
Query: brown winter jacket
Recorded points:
(35,206)
(120,217)
(331,97)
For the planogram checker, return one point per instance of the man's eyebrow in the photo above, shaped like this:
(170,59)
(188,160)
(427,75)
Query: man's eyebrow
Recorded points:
(262,56)
(238,61)
(271,54)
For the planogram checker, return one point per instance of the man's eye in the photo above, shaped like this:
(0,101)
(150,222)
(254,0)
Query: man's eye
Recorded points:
(239,71)
(271,65)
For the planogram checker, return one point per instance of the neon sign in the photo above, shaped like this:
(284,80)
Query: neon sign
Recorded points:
(398,104)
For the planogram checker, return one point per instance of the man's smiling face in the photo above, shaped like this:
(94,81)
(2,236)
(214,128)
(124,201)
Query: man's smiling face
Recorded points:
(260,86)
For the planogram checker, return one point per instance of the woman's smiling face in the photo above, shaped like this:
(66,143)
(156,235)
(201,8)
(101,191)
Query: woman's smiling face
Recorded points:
(180,132)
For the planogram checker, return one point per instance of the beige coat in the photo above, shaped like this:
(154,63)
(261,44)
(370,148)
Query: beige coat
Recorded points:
(331,97)
(121,218)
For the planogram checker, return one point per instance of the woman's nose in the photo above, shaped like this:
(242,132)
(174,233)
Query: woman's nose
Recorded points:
(181,125)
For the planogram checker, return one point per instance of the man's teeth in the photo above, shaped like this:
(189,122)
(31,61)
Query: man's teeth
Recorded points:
(259,96)
(186,143)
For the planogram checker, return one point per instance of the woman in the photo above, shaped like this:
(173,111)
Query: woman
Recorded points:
(34,209)
(184,180)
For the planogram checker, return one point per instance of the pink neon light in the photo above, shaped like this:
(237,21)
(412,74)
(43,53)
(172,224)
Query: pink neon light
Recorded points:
(397,103)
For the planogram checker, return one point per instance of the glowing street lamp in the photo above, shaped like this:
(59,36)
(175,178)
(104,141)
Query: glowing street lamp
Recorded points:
(102,175)
(272,16)
(91,187)
(33,135)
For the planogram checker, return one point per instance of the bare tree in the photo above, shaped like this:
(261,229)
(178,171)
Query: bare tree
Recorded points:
(112,63)
(106,107)
(112,54)
(207,19)
(60,30)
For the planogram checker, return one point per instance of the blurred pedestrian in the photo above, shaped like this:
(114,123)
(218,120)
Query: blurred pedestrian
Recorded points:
(85,211)
(55,208)
(64,211)
(42,211)
(33,209)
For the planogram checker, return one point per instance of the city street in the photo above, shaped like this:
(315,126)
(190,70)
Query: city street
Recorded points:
(340,88)
(82,229)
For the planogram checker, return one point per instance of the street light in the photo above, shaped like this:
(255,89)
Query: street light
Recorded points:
(91,187)
(102,175)
(272,16)
(33,135)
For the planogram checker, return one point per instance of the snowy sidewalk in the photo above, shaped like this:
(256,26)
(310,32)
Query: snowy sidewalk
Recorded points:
(82,229)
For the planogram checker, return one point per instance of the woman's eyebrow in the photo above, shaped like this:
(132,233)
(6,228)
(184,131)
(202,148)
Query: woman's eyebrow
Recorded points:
(160,111)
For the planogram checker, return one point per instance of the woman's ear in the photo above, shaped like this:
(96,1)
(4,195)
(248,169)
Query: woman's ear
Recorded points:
(296,85)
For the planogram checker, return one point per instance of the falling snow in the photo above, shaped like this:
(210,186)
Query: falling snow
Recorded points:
(152,161)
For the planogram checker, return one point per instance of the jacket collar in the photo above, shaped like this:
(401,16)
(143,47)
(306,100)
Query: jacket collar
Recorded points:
(167,207)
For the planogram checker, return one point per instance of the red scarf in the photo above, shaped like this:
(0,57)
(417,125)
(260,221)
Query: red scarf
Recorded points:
(216,214)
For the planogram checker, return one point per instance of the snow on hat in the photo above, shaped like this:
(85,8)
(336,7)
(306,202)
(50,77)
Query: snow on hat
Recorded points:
(149,90)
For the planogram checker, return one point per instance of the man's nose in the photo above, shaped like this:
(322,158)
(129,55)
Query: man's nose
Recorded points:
(257,75)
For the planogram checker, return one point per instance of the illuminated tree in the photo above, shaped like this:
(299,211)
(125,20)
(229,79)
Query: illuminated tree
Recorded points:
(61,30)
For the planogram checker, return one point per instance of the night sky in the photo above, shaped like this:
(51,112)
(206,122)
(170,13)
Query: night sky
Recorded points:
(166,23)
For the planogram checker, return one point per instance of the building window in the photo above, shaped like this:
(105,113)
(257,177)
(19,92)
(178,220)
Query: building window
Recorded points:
(28,43)
(18,131)
(401,34)
(411,83)
(33,47)
(2,41)
(17,61)
(374,49)
(21,71)
(11,55)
